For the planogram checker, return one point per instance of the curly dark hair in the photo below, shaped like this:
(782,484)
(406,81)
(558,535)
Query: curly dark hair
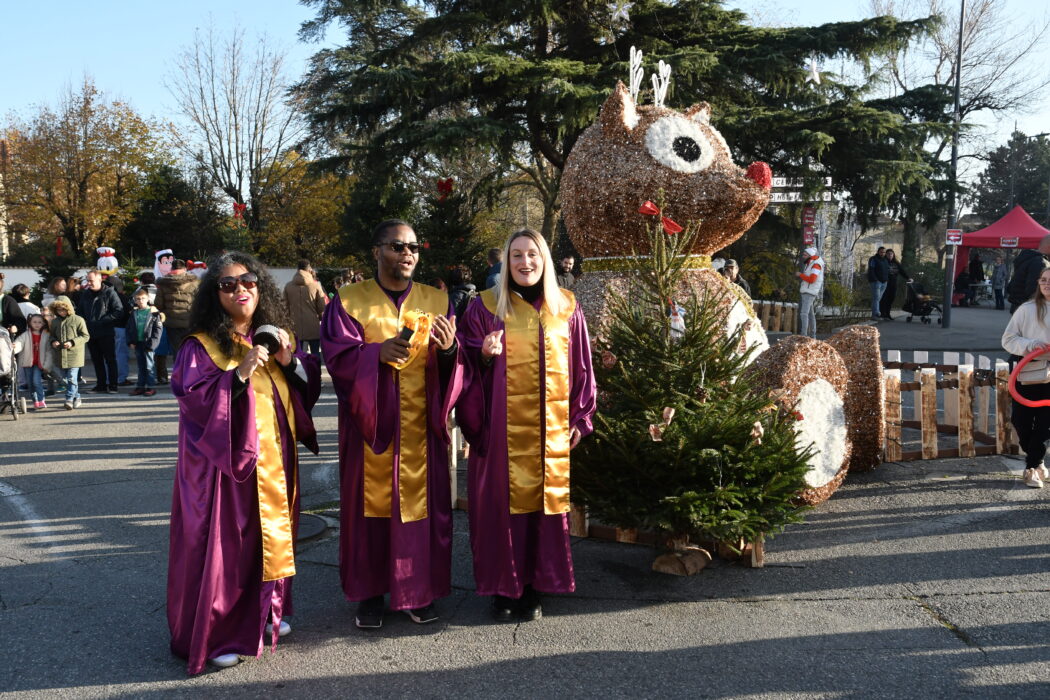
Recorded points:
(207,314)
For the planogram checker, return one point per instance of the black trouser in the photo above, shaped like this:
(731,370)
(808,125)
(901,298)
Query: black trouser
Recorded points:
(104,356)
(1032,424)
(886,303)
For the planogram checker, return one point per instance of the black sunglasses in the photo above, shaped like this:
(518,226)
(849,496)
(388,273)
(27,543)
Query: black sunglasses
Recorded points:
(229,284)
(399,247)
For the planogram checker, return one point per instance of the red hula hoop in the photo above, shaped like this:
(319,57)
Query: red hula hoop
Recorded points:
(1012,385)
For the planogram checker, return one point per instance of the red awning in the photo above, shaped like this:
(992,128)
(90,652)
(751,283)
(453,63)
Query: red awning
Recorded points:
(1015,230)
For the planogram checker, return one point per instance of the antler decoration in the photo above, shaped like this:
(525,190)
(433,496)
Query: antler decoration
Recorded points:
(636,73)
(661,81)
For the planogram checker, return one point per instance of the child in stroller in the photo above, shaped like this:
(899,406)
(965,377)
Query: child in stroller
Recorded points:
(9,399)
(920,303)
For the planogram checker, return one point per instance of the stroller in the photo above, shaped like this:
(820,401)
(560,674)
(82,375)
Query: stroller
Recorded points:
(9,398)
(920,303)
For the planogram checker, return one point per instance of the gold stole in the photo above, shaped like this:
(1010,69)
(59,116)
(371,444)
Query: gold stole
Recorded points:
(370,306)
(537,480)
(275,497)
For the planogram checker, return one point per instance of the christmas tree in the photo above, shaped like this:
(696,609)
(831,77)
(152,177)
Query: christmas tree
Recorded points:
(447,234)
(686,443)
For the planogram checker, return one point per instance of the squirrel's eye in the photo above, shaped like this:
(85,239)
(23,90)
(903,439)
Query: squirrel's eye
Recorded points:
(679,144)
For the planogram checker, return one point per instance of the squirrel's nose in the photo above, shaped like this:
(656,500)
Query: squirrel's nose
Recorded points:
(761,174)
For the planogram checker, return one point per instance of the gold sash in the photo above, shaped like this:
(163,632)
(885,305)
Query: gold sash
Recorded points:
(275,518)
(370,306)
(537,480)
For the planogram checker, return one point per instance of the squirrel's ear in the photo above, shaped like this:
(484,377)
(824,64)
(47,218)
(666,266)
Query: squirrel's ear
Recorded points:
(618,114)
(700,113)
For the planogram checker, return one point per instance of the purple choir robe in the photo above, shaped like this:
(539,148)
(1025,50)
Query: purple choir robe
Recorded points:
(217,601)
(514,550)
(410,561)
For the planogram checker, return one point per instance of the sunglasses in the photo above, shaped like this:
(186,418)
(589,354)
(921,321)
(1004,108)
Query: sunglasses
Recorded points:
(399,247)
(229,284)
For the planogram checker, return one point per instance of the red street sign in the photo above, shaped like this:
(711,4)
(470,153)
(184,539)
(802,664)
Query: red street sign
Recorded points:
(808,238)
(954,236)
(1008,242)
(809,215)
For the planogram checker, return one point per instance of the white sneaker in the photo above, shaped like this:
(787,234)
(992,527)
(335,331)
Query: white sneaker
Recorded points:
(225,661)
(285,629)
(1032,478)
(1043,473)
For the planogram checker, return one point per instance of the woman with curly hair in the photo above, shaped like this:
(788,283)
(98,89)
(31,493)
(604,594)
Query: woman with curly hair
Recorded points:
(245,396)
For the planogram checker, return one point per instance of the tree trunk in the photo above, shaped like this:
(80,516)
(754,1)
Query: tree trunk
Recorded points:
(910,244)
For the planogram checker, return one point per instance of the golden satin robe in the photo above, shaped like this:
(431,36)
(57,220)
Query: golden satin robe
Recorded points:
(370,306)
(537,447)
(275,496)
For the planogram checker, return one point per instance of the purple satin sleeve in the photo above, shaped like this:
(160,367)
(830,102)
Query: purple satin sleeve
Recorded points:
(472,406)
(364,386)
(219,429)
(443,387)
(303,400)
(583,392)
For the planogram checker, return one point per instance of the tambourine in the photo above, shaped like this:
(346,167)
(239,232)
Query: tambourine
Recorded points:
(1012,384)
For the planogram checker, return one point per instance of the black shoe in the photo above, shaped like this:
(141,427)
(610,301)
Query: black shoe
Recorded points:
(112,390)
(422,616)
(529,607)
(98,389)
(503,608)
(370,613)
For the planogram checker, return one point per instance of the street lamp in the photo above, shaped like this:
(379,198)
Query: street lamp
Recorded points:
(949,257)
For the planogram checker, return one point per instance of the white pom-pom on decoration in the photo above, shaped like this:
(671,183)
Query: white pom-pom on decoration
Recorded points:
(661,81)
(823,425)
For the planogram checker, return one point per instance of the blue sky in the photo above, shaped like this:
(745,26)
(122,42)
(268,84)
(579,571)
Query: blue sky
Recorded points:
(127,47)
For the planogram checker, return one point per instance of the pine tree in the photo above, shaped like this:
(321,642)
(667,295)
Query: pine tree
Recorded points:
(685,443)
(447,234)
(523,80)
(1017,173)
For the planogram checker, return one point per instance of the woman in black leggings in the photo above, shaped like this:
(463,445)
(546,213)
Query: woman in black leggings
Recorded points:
(1029,330)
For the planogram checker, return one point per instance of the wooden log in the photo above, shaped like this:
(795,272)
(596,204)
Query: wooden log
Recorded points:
(950,397)
(893,415)
(758,553)
(767,308)
(578,525)
(1002,409)
(893,356)
(630,536)
(921,357)
(984,394)
(792,326)
(778,312)
(965,411)
(928,381)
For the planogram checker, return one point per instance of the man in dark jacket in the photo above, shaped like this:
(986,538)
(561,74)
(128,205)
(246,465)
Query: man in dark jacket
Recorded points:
(878,276)
(1028,265)
(102,310)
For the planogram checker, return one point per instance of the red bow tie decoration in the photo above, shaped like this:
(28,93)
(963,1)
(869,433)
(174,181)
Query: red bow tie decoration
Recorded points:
(238,210)
(650,209)
(444,188)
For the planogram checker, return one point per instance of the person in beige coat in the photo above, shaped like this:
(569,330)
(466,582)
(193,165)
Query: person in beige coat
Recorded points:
(1027,331)
(306,301)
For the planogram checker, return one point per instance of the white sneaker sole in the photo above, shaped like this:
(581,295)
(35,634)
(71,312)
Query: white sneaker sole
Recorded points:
(285,629)
(225,661)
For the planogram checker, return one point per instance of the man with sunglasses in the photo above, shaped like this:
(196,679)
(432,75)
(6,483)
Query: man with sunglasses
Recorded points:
(390,346)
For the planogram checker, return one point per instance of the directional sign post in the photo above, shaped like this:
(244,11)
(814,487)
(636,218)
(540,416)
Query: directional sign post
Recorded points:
(953,236)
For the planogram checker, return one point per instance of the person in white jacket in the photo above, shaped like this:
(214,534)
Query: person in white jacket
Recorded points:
(812,282)
(1029,330)
(33,348)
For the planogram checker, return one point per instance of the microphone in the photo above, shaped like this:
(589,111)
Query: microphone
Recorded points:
(269,337)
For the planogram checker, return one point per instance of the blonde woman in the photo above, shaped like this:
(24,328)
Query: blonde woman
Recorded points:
(1028,330)
(530,399)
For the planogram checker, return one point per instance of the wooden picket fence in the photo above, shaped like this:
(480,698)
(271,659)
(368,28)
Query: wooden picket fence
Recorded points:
(974,405)
(777,316)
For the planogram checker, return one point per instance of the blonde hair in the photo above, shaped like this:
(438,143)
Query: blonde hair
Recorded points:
(552,295)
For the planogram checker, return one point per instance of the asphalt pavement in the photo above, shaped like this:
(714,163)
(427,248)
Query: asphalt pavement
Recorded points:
(922,579)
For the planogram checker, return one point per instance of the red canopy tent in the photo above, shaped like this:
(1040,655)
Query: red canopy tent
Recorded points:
(1015,230)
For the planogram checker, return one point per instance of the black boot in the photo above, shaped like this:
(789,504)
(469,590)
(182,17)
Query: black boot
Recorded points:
(529,607)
